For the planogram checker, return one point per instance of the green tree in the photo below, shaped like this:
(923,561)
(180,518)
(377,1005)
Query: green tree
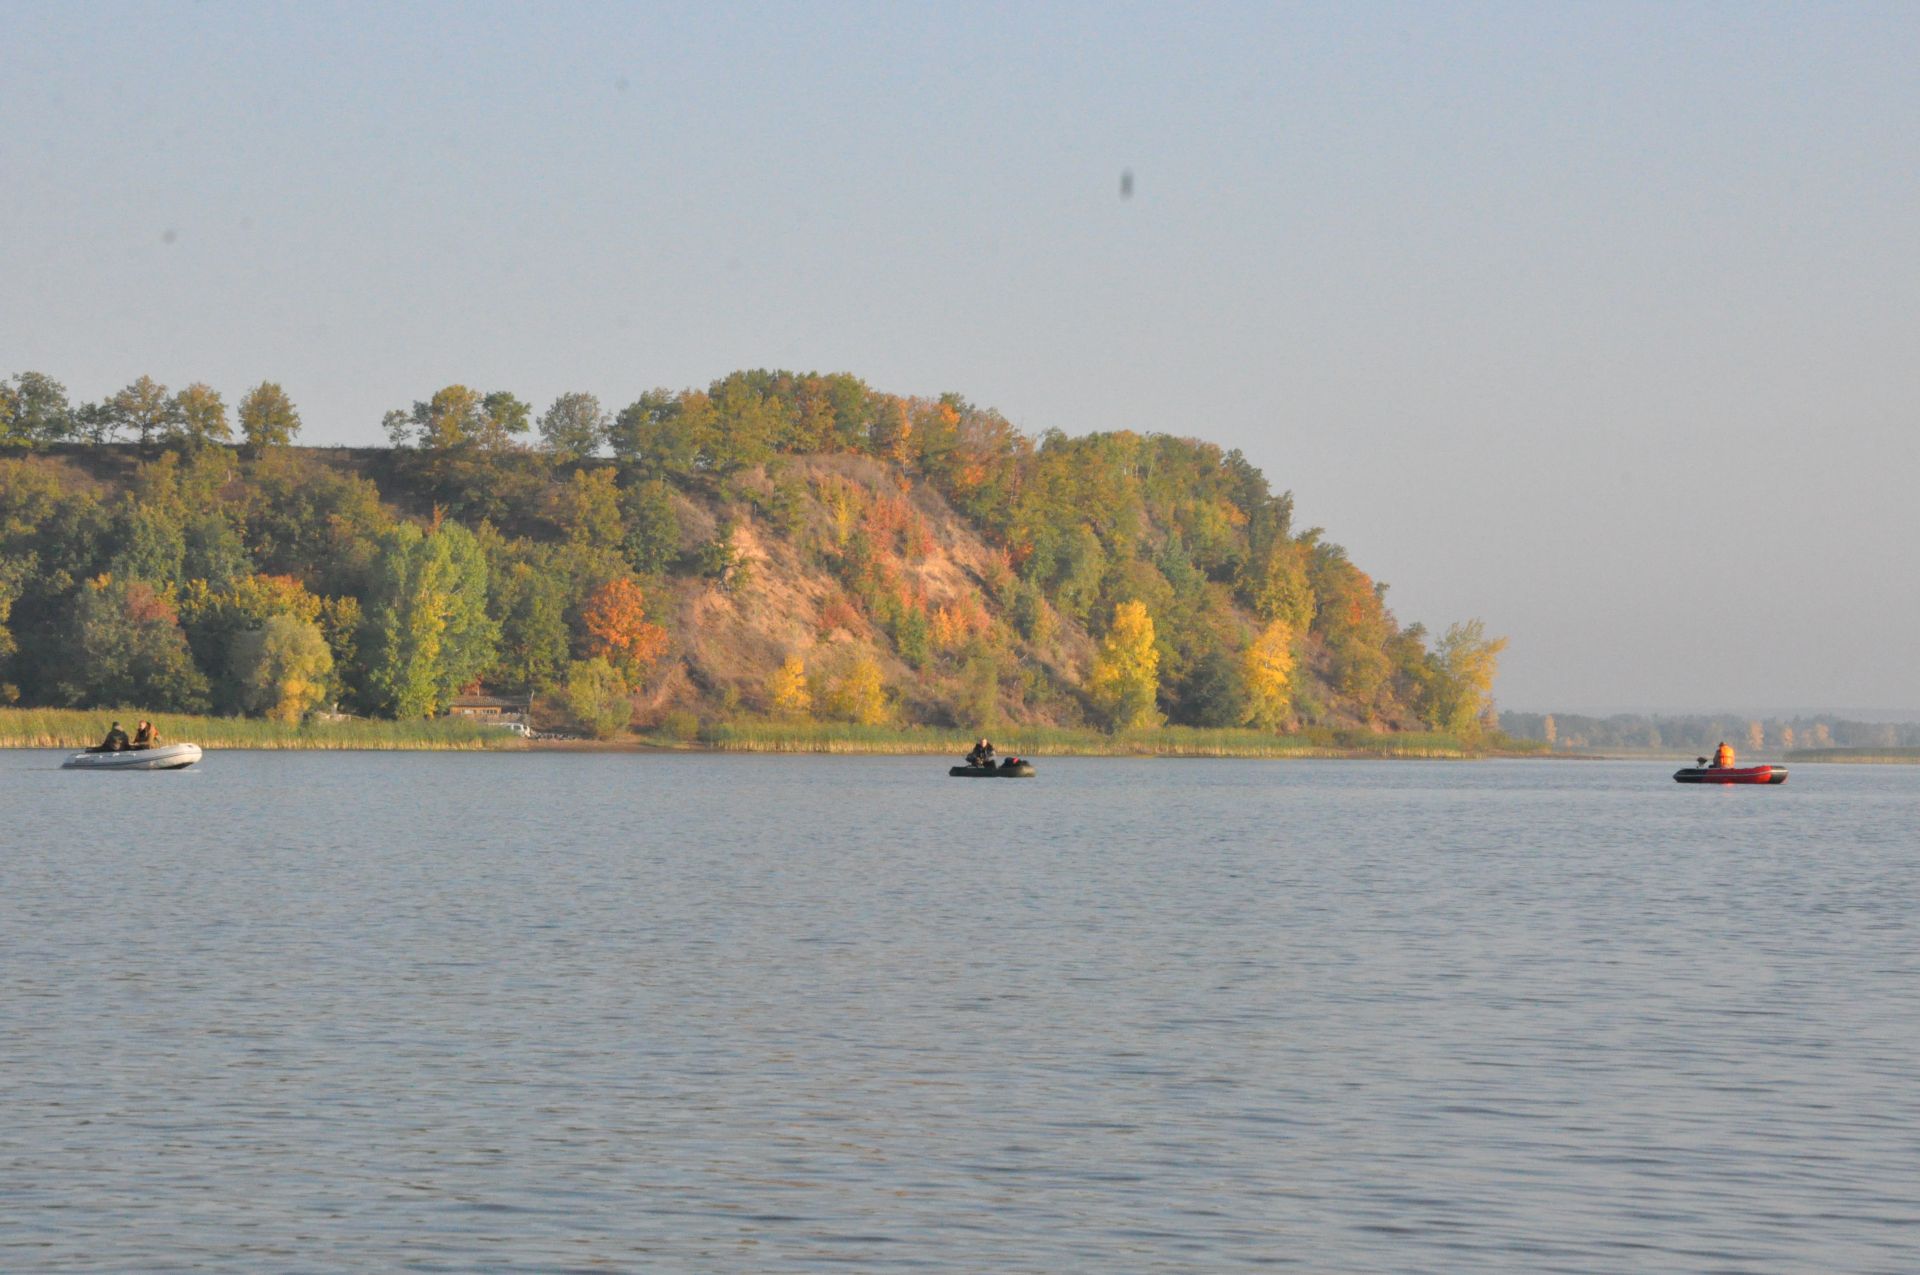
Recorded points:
(34,410)
(200,416)
(146,408)
(150,543)
(662,432)
(719,560)
(652,540)
(575,427)
(1215,691)
(127,649)
(427,630)
(96,423)
(1125,683)
(283,668)
(268,417)
(587,510)
(531,604)
(912,637)
(597,697)
(503,418)
(1082,565)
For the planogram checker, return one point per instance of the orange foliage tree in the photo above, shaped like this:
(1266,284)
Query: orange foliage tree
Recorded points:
(615,619)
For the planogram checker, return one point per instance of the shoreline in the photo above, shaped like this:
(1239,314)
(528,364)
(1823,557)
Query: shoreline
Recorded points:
(71,729)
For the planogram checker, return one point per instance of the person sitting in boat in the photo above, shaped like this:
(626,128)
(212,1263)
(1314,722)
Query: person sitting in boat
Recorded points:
(146,736)
(1723,756)
(982,754)
(116,740)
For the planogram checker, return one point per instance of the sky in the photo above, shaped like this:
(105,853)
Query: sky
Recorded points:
(1598,322)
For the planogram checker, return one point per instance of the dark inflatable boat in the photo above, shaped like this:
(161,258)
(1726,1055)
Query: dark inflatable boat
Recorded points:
(1019,770)
(1731,775)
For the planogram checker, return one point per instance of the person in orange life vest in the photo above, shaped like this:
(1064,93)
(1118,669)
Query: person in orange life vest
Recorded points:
(1723,756)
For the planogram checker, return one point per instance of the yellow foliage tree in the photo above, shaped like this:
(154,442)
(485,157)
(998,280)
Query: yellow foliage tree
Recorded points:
(1268,666)
(1460,681)
(1125,683)
(860,694)
(282,668)
(1282,589)
(788,688)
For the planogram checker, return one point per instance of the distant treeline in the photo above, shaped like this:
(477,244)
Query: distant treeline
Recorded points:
(1571,732)
(151,553)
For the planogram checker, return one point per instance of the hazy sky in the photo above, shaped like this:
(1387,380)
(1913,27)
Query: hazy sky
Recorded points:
(1596,321)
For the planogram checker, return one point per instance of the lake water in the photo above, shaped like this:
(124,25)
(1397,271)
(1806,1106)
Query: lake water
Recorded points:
(601,1012)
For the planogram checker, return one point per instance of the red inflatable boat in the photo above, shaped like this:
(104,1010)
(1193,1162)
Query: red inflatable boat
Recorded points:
(1731,775)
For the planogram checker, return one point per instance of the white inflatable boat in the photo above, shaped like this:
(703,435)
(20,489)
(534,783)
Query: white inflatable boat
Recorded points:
(163,757)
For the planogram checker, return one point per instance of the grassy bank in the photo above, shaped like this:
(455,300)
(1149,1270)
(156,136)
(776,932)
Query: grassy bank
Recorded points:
(1859,756)
(768,736)
(77,728)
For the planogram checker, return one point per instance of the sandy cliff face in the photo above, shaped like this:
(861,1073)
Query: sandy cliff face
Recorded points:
(793,603)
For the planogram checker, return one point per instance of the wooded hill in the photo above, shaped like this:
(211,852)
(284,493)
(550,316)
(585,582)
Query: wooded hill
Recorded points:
(777,544)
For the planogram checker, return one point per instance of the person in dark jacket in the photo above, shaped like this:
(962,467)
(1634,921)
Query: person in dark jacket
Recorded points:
(146,736)
(116,740)
(982,754)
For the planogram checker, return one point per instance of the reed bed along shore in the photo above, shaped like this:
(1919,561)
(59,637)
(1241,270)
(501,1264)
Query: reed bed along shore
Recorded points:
(83,728)
(1858,756)
(77,728)
(774,736)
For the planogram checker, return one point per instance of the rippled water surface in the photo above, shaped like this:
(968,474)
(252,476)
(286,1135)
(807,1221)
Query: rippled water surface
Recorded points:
(536,1012)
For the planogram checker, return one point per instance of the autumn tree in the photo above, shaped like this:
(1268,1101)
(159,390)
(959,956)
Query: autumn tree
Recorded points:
(574,427)
(218,616)
(1351,618)
(268,417)
(453,417)
(1465,661)
(1278,586)
(614,617)
(283,668)
(1125,683)
(201,416)
(787,689)
(1268,666)
(146,409)
(860,694)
